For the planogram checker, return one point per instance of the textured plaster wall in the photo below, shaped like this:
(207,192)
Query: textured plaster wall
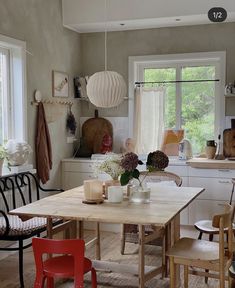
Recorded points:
(39,23)
(200,38)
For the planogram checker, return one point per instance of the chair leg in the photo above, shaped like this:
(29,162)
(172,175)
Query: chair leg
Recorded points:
(39,282)
(21,264)
(211,236)
(50,282)
(93,278)
(185,276)
(172,273)
(200,236)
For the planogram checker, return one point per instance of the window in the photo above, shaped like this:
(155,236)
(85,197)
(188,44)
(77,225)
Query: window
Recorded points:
(196,107)
(12,89)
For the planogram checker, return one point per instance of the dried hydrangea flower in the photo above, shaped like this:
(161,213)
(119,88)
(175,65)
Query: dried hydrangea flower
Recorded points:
(157,160)
(130,161)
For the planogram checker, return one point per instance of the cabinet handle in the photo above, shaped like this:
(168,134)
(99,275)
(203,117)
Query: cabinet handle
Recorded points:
(224,170)
(224,182)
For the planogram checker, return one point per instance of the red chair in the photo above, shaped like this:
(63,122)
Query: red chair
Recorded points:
(74,264)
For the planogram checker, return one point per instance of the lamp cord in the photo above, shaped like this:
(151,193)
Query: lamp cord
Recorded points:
(105,35)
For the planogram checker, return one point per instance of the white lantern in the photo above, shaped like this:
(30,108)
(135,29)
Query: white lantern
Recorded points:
(106,89)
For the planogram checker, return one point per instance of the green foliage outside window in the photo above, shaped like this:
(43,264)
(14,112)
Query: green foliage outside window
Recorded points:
(197,102)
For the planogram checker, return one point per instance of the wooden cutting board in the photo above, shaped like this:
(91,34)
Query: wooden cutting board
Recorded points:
(229,143)
(93,131)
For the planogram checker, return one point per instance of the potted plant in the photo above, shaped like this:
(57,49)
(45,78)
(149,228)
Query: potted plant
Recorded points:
(156,161)
(111,166)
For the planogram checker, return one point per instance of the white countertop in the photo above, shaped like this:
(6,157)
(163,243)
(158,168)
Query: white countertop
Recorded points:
(172,161)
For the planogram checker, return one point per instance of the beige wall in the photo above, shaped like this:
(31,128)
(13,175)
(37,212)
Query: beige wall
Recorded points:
(201,38)
(39,23)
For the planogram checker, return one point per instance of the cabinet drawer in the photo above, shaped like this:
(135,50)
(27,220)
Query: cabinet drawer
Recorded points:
(73,179)
(78,166)
(212,173)
(215,188)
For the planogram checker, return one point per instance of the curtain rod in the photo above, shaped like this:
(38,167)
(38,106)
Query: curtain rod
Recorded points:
(177,81)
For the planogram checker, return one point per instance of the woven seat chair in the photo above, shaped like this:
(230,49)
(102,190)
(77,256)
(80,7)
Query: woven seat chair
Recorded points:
(130,231)
(18,190)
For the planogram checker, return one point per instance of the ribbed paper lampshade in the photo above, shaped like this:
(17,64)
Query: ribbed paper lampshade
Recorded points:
(106,89)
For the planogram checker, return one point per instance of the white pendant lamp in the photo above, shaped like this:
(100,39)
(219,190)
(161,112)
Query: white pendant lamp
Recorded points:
(106,89)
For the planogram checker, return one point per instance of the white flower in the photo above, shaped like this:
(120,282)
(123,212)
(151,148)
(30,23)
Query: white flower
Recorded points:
(111,166)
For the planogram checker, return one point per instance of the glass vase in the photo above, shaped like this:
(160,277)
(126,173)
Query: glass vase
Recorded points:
(139,194)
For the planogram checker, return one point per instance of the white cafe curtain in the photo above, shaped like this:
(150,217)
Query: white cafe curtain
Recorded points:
(148,118)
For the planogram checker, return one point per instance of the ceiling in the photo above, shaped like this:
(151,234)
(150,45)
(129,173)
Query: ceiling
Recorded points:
(86,16)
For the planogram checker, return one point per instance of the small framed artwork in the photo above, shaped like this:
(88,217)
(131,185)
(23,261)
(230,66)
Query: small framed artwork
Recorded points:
(60,84)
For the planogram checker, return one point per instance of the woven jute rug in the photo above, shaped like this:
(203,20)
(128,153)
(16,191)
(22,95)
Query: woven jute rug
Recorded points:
(110,247)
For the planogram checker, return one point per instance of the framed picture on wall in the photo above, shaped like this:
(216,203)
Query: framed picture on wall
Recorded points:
(60,84)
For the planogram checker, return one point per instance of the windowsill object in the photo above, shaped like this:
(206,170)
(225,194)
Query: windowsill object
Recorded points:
(18,169)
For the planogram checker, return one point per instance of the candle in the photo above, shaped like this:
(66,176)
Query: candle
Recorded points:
(93,189)
(115,194)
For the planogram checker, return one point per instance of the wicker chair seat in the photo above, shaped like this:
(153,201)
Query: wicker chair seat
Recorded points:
(22,228)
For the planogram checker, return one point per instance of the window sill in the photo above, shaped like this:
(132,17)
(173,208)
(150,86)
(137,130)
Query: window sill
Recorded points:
(18,169)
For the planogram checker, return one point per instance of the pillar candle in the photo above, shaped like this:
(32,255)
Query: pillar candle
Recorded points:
(93,189)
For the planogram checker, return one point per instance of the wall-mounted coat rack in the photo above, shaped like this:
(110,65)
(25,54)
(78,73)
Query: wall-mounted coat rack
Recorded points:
(47,101)
(38,98)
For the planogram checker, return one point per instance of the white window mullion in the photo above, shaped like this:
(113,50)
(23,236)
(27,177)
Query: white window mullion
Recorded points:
(178,97)
(5,97)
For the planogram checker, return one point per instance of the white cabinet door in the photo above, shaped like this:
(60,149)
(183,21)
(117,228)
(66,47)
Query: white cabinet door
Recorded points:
(204,209)
(75,179)
(215,188)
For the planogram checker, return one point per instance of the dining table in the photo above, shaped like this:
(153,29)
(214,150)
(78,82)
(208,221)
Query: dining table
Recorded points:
(163,211)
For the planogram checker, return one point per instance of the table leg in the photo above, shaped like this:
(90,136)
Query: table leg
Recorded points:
(49,228)
(175,229)
(97,245)
(141,256)
(81,230)
(73,230)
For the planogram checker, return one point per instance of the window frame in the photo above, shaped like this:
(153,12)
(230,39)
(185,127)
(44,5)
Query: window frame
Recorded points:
(137,64)
(17,102)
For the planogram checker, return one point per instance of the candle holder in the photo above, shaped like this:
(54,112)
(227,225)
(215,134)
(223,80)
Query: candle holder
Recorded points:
(93,191)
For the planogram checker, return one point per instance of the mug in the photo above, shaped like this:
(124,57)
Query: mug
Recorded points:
(210,152)
(115,194)
(211,143)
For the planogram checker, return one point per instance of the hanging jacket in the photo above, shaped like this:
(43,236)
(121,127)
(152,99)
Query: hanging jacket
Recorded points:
(43,146)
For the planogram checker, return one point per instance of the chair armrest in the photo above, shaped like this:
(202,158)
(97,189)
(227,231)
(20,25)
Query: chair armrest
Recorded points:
(7,223)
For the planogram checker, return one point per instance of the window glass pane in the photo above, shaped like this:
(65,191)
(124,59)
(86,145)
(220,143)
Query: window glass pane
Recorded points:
(165,74)
(3,96)
(198,106)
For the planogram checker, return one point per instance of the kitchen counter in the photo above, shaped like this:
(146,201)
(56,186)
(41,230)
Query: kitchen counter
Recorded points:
(211,163)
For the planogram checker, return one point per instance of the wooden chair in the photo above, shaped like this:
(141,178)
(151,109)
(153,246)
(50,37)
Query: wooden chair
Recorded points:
(72,264)
(205,226)
(205,254)
(130,232)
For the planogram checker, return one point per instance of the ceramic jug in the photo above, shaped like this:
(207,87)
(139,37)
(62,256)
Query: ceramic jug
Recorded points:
(211,147)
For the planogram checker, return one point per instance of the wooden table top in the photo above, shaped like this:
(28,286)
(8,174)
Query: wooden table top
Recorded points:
(166,202)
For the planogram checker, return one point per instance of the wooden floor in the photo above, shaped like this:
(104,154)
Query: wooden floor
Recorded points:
(110,246)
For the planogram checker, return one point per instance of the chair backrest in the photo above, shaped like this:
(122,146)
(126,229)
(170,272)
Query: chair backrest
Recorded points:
(160,176)
(20,189)
(224,221)
(73,247)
